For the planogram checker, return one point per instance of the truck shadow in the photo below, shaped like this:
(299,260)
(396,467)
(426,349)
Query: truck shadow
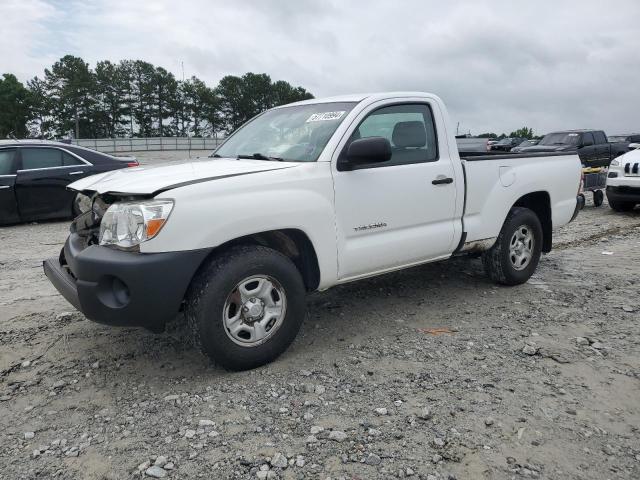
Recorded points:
(421,297)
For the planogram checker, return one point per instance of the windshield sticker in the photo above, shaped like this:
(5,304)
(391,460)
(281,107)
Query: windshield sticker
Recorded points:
(324,116)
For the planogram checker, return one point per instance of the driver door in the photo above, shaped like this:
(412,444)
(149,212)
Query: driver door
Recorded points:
(398,212)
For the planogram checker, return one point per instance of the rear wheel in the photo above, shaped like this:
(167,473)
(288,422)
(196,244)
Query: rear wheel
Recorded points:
(516,253)
(598,197)
(246,307)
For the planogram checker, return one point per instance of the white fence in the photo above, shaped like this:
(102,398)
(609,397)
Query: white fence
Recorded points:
(112,145)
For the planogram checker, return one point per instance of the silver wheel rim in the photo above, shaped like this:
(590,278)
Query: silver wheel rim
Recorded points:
(521,247)
(254,310)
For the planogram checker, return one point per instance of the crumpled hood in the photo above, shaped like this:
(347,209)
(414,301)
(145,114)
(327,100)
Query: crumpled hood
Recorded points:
(153,179)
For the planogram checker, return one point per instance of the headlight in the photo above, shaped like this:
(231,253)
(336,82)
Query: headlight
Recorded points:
(127,224)
(615,163)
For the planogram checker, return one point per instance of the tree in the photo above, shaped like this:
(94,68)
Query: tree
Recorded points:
(523,132)
(70,85)
(15,105)
(134,98)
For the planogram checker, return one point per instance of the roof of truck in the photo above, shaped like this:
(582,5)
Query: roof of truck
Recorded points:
(358,97)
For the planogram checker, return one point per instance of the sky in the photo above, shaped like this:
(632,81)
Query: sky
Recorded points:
(498,65)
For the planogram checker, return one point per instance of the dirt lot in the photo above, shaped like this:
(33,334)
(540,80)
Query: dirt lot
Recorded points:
(431,373)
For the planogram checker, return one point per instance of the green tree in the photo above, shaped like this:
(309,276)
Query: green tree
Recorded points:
(70,86)
(523,132)
(15,107)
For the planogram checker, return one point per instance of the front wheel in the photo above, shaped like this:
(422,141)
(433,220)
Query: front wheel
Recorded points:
(621,206)
(246,306)
(516,253)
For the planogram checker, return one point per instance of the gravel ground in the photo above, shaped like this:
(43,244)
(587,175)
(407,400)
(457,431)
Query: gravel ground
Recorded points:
(431,373)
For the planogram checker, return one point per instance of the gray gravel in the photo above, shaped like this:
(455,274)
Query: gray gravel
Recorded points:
(431,373)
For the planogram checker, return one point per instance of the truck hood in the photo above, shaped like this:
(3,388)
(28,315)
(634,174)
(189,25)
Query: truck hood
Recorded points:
(154,179)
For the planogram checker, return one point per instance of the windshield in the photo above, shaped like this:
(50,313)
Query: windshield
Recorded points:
(560,138)
(293,134)
(504,141)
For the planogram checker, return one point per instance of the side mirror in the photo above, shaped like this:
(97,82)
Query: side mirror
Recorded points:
(369,150)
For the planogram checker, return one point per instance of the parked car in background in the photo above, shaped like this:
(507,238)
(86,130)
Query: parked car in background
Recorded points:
(472,145)
(506,144)
(34,175)
(623,182)
(592,146)
(625,138)
(525,144)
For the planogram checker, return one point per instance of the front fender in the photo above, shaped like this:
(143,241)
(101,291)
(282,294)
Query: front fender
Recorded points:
(210,214)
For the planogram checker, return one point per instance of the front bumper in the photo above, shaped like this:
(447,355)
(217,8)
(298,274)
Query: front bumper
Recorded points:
(624,194)
(116,287)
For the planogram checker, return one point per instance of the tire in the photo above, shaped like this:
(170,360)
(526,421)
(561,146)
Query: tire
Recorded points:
(584,200)
(500,260)
(225,286)
(621,206)
(598,197)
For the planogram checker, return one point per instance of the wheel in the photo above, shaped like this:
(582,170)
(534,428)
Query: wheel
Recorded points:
(621,206)
(584,200)
(246,306)
(598,197)
(516,253)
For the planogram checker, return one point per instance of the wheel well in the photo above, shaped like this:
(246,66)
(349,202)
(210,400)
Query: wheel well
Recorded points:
(540,204)
(292,243)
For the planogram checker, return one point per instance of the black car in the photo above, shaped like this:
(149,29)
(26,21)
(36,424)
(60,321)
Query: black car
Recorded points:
(34,176)
(591,145)
(506,144)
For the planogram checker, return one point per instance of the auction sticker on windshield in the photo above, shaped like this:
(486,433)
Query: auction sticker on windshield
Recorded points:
(321,117)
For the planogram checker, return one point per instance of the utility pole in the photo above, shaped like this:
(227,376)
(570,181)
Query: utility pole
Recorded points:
(77,123)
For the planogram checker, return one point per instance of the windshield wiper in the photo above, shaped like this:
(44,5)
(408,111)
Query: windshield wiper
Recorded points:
(260,156)
(215,155)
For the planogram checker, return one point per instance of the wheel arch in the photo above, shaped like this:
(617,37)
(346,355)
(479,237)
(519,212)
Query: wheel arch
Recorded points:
(291,242)
(540,203)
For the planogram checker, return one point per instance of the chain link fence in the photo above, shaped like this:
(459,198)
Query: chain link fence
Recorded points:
(147,144)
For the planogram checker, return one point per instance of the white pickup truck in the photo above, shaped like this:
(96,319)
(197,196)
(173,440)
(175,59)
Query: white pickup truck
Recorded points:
(301,198)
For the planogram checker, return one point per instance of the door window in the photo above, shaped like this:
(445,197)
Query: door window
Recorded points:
(587,139)
(33,158)
(600,137)
(6,161)
(409,129)
(68,159)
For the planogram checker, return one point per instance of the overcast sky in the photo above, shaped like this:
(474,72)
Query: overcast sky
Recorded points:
(498,65)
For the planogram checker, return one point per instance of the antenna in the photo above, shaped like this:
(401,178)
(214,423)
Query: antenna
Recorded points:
(182,63)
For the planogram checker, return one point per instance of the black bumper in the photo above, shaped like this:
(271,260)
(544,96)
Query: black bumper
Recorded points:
(123,288)
(624,194)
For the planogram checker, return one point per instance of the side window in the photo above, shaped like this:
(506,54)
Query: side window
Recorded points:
(68,159)
(587,139)
(6,161)
(409,129)
(600,137)
(40,158)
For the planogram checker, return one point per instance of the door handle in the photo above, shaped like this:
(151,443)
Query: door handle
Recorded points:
(79,172)
(442,181)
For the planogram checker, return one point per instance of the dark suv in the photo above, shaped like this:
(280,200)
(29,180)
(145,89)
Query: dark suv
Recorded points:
(591,145)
